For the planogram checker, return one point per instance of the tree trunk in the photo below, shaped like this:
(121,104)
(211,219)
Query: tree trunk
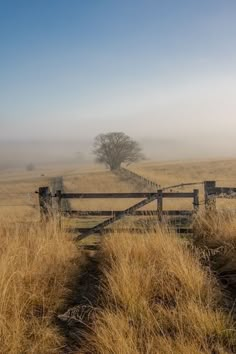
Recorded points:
(115,167)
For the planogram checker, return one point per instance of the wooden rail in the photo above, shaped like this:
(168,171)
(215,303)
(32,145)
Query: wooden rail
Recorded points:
(78,213)
(84,230)
(123,195)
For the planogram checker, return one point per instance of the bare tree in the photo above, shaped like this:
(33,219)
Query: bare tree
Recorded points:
(116,148)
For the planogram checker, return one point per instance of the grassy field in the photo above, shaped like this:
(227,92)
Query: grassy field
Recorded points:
(158,293)
(18,200)
(174,172)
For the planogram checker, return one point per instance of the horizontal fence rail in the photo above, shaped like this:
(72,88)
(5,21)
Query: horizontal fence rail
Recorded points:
(85,230)
(224,191)
(124,195)
(77,213)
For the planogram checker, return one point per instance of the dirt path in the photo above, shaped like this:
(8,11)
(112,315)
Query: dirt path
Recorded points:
(76,322)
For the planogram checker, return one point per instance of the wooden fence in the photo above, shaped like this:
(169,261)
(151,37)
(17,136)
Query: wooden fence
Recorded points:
(212,192)
(58,198)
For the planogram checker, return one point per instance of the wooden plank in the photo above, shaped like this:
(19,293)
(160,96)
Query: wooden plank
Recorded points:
(78,213)
(210,201)
(178,212)
(45,203)
(84,230)
(159,204)
(196,200)
(125,195)
(223,190)
(105,195)
(178,195)
(182,185)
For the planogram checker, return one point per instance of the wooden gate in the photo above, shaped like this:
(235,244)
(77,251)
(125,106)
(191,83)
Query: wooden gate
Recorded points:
(115,215)
(61,199)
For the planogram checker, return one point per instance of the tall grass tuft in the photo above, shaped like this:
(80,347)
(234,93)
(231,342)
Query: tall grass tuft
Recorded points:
(157,298)
(36,264)
(215,234)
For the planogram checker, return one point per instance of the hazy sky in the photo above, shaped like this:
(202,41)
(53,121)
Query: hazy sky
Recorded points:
(152,68)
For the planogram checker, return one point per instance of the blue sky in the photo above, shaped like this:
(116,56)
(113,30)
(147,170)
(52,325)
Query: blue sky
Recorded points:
(71,69)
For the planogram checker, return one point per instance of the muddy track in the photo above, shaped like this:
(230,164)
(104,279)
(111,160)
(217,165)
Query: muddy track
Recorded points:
(75,323)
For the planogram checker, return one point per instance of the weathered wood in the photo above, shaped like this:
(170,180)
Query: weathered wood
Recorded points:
(178,195)
(159,204)
(125,195)
(85,230)
(210,199)
(77,213)
(227,191)
(45,203)
(196,199)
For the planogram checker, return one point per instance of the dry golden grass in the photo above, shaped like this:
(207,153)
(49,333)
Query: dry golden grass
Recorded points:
(176,172)
(17,198)
(99,182)
(36,264)
(158,299)
(215,233)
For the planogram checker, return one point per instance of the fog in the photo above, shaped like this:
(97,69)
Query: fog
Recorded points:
(167,78)
(179,121)
(19,154)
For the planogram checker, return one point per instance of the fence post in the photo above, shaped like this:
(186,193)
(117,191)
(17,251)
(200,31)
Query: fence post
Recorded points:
(196,200)
(210,199)
(159,204)
(45,203)
(59,207)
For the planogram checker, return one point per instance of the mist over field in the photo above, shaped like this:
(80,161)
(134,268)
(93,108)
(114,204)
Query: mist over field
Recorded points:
(19,154)
(163,74)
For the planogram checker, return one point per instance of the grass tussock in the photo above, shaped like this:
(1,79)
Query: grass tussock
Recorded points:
(36,263)
(215,234)
(158,299)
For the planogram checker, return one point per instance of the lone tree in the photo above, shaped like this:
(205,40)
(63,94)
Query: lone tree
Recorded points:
(114,148)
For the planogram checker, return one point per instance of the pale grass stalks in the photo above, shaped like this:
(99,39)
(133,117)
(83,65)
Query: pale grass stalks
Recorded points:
(158,299)
(36,265)
(215,234)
